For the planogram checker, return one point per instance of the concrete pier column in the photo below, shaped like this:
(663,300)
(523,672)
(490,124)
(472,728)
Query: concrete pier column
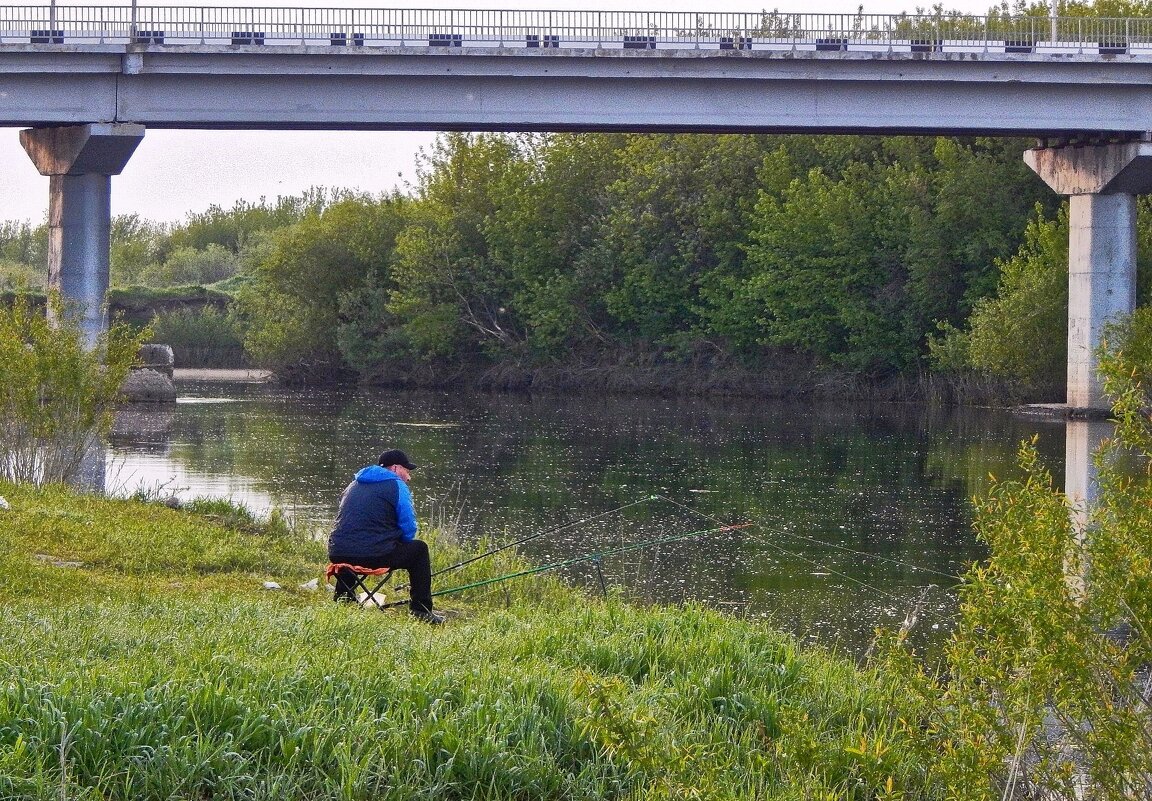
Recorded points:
(1102,181)
(79,161)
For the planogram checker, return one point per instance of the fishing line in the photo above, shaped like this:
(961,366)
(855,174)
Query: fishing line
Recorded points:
(831,570)
(544,533)
(793,554)
(844,548)
(936,614)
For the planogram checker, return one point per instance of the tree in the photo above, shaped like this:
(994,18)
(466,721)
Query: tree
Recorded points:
(680,216)
(451,296)
(1044,690)
(231,228)
(547,236)
(980,196)
(828,273)
(136,245)
(292,307)
(1020,333)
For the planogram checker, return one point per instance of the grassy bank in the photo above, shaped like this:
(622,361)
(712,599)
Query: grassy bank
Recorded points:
(142,659)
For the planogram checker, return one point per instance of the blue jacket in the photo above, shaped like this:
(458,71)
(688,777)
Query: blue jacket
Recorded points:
(375,513)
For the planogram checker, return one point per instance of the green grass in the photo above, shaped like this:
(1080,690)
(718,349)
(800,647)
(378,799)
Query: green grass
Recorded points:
(160,669)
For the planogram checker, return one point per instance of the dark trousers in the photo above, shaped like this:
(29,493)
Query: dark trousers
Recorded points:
(410,556)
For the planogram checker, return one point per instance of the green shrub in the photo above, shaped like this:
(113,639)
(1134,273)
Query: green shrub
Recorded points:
(205,337)
(18,277)
(1021,332)
(188,265)
(1045,689)
(56,394)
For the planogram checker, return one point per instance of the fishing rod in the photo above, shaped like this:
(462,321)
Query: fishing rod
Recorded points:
(544,533)
(536,536)
(578,559)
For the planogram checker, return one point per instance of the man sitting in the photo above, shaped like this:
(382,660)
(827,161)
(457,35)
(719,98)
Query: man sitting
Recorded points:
(376,527)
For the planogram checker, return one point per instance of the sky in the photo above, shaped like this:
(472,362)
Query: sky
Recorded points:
(174,173)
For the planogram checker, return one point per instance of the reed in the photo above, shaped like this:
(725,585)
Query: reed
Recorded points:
(160,669)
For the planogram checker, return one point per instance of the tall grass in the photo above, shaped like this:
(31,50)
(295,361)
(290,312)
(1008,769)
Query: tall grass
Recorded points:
(164,671)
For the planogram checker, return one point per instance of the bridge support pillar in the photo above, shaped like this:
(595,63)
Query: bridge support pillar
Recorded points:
(1102,181)
(79,161)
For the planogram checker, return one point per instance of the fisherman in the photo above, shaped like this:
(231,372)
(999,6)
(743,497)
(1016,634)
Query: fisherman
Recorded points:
(376,527)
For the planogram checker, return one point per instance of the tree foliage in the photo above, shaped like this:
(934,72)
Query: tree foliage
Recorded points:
(293,305)
(523,251)
(1021,331)
(843,251)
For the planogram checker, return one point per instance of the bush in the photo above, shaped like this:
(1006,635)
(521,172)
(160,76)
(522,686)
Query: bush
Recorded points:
(206,337)
(191,266)
(15,276)
(56,395)
(1045,691)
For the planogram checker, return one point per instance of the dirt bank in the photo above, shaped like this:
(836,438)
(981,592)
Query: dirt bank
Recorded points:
(249,375)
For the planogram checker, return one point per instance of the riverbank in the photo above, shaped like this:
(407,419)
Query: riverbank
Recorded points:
(782,380)
(147,660)
(222,375)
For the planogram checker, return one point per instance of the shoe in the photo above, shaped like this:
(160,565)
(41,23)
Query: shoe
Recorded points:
(431,618)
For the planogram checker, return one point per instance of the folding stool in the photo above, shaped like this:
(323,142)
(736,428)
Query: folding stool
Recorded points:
(360,577)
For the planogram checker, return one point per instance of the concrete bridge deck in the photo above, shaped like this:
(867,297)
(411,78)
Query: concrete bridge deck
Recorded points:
(388,69)
(568,89)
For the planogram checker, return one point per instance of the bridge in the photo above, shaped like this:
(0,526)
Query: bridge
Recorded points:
(87,81)
(561,71)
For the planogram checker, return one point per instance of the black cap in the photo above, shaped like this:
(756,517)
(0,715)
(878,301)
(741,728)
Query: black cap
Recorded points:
(395,456)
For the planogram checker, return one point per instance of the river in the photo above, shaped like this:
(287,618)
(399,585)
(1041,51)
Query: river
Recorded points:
(855,510)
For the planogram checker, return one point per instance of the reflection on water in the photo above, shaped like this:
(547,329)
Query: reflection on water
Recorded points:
(855,510)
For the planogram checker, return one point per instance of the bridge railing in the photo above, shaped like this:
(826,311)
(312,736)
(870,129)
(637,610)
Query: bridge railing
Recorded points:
(447,28)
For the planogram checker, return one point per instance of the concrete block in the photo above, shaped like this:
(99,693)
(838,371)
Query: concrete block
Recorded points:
(156,357)
(148,386)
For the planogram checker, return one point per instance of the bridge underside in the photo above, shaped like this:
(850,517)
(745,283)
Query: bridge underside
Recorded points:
(517,90)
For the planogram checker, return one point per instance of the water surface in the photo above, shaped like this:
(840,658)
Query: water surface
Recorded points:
(855,511)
